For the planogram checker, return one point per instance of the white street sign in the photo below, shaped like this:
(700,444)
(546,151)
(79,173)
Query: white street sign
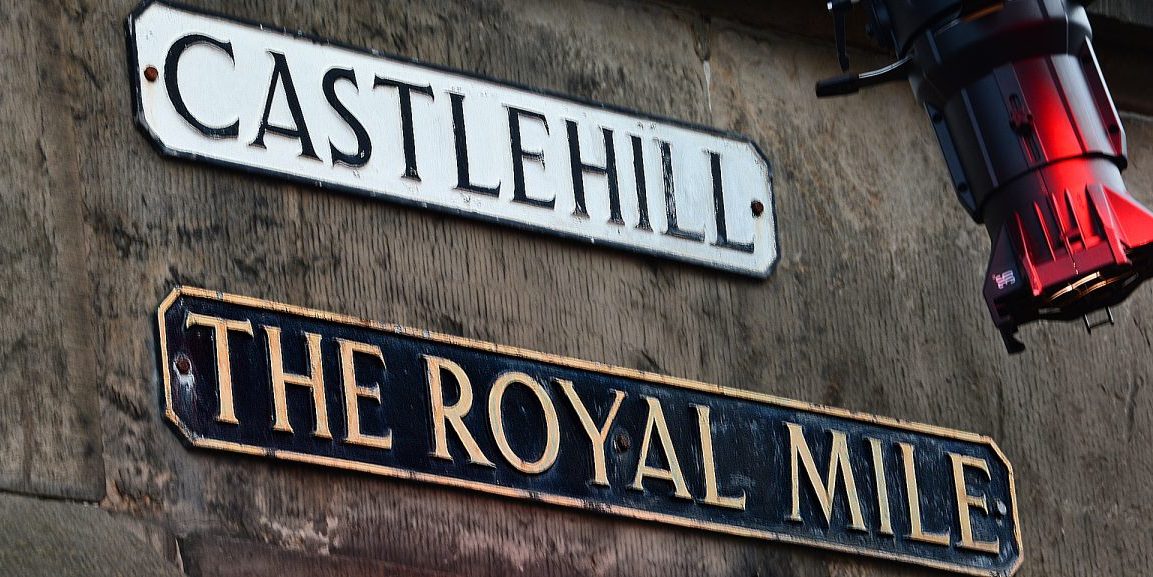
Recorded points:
(280,103)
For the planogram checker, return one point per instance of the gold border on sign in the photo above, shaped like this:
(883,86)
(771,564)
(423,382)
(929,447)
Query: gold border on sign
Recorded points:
(198,441)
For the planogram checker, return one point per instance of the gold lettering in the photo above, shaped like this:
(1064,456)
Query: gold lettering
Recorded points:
(598,436)
(838,463)
(965,501)
(451,415)
(882,487)
(313,380)
(220,328)
(917,532)
(656,420)
(496,422)
(354,392)
(712,493)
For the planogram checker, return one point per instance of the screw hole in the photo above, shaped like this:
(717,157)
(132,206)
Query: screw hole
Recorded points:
(183,364)
(622,442)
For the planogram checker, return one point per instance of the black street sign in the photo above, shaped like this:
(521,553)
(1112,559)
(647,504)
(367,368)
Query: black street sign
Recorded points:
(272,380)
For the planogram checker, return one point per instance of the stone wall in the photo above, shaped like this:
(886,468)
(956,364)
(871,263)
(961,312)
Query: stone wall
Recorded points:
(875,305)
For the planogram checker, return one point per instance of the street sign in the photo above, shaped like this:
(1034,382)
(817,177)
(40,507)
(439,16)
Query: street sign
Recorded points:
(272,380)
(281,103)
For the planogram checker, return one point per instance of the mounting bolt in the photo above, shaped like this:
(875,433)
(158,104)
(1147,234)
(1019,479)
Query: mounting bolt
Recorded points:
(758,208)
(622,442)
(183,365)
(151,74)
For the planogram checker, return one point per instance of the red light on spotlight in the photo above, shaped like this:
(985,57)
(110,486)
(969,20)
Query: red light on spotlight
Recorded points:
(1033,143)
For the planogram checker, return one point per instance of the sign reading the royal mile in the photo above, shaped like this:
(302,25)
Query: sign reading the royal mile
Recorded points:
(281,103)
(272,380)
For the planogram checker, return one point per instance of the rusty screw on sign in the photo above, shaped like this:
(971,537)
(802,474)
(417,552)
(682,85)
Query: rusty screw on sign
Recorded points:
(758,208)
(622,442)
(150,74)
(183,365)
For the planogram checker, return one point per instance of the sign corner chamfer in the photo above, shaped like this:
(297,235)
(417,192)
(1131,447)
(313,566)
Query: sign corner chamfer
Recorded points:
(259,378)
(216,90)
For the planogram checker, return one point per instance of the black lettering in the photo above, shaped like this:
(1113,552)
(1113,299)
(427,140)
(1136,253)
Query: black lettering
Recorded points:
(405,92)
(671,199)
(642,186)
(519,154)
(719,210)
(172,64)
(460,136)
(299,130)
(609,170)
(363,144)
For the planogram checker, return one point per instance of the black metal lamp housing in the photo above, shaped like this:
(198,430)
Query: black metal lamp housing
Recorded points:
(1032,141)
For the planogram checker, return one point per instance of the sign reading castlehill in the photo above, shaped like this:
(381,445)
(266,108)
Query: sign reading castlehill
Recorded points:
(281,103)
(273,380)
